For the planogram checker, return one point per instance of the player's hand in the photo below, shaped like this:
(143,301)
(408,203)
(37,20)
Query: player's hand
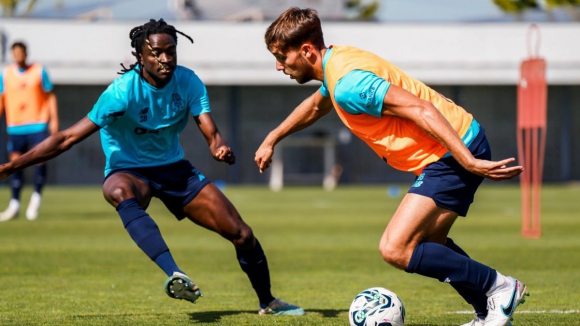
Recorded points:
(224,154)
(496,170)
(3,173)
(264,156)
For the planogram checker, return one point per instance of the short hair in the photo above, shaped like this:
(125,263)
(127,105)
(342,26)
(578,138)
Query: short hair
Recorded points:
(294,27)
(139,34)
(19,44)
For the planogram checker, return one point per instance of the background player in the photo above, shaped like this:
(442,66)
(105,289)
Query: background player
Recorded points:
(413,128)
(140,117)
(26,94)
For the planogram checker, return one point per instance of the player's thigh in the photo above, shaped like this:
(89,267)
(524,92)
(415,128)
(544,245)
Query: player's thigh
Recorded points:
(212,210)
(17,145)
(121,186)
(417,219)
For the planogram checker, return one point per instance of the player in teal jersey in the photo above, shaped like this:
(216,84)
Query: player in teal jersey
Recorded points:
(140,117)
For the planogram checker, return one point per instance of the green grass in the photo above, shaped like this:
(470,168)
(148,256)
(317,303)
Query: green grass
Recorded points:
(77,266)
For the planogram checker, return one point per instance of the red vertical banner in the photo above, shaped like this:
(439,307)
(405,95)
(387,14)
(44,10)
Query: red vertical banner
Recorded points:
(531,134)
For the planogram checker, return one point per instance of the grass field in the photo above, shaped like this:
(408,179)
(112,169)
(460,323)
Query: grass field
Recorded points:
(77,266)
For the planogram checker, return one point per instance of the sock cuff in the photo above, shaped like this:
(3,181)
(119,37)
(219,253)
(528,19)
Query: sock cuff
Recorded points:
(415,259)
(129,210)
(127,202)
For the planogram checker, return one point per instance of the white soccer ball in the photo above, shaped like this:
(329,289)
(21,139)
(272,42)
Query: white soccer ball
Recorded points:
(376,307)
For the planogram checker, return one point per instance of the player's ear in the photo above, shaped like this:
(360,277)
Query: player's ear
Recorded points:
(306,50)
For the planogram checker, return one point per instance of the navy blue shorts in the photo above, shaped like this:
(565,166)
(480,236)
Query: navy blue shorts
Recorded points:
(175,184)
(23,143)
(448,183)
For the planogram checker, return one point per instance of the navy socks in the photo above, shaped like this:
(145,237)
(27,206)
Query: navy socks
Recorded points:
(253,262)
(39,177)
(445,264)
(146,234)
(477,299)
(16,184)
(17,180)
(167,263)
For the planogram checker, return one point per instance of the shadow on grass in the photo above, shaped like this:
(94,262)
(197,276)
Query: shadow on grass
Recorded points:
(214,316)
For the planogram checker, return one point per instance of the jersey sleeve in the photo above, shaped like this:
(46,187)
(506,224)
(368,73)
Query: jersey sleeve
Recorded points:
(323,90)
(46,83)
(111,104)
(198,100)
(1,83)
(361,91)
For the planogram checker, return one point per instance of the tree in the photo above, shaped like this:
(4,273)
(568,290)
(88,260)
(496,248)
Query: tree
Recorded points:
(9,7)
(361,10)
(518,6)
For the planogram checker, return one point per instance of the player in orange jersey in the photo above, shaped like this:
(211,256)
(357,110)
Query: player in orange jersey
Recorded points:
(31,115)
(413,128)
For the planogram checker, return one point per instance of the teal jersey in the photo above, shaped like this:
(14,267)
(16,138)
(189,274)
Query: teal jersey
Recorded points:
(140,124)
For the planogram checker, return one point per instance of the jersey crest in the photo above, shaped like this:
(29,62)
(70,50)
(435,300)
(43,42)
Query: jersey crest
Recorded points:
(177,103)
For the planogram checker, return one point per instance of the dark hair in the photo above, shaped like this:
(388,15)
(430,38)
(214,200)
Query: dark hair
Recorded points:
(294,27)
(140,34)
(19,44)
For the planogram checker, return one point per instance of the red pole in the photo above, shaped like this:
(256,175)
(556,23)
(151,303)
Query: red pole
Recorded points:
(531,135)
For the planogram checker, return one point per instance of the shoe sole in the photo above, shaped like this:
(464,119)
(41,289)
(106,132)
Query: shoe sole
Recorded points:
(177,285)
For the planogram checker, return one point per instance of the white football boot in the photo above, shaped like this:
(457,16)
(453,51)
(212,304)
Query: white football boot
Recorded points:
(10,212)
(502,303)
(479,322)
(33,206)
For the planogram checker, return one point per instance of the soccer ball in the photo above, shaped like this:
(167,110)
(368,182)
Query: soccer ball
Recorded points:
(376,307)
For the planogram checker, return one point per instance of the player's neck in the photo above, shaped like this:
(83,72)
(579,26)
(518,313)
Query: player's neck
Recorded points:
(22,66)
(318,67)
(155,82)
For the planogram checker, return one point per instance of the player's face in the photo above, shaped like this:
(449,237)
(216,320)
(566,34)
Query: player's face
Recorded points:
(19,55)
(293,63)
(159,59)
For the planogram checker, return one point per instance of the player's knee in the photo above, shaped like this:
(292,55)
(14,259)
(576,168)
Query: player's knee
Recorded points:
(117,194)
(393,255)
(244,237)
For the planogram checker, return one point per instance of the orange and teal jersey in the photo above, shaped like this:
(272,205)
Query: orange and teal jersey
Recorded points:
(357,82)
(25,98)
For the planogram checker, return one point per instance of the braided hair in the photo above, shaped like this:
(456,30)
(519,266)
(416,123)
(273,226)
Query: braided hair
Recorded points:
(140,35)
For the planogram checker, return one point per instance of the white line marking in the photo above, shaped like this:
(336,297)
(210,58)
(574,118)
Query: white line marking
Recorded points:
(561,312)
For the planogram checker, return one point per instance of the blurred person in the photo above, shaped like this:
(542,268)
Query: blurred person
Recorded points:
(413,128)
(140,116)
(27,97)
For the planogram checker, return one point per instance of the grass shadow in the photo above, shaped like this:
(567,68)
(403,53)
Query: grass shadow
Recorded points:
(214,316)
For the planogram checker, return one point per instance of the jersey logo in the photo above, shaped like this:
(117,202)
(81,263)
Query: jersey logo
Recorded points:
(177,103)
(509,309)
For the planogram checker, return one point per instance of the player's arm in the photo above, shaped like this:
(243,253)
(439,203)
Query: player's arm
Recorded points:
(217,145)
(305,114)
(51,147)
(53,123)
(1,104)
(400,103)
